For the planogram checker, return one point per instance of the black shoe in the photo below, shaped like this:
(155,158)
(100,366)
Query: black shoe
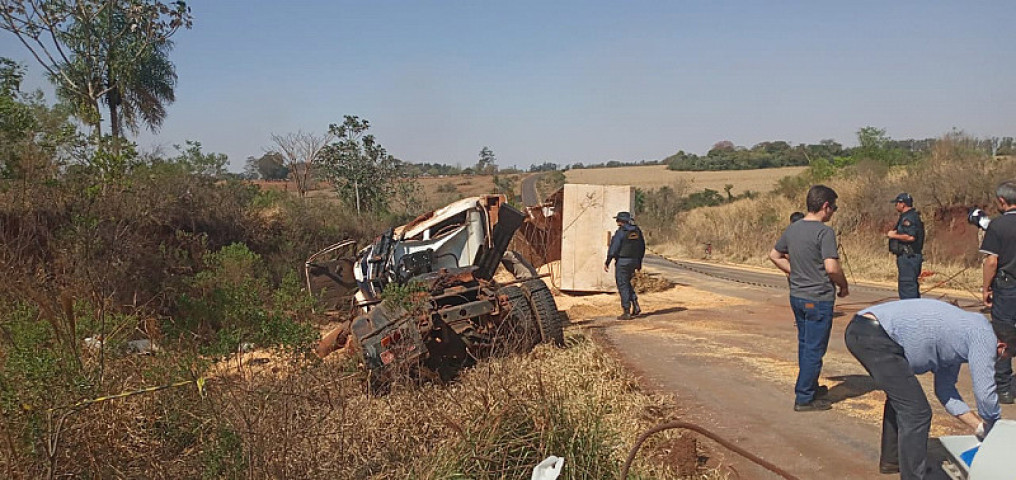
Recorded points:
(1005,397)
(821,391)
(813,406)
(888,468)
(636,309)
(624,316)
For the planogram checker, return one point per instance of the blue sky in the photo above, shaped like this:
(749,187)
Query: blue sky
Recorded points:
(566,81)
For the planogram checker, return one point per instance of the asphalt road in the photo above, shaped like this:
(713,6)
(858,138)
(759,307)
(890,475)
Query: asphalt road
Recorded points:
(529,195)
(732,370)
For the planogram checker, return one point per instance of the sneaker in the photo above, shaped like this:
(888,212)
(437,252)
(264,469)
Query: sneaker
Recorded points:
(1005,397)
(821,391)
(888,468)
(624,316)
(813,406)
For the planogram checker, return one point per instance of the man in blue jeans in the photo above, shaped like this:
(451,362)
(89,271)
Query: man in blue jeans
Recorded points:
(807,253)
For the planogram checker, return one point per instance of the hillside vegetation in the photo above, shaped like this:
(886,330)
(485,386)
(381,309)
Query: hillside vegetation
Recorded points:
(957,173)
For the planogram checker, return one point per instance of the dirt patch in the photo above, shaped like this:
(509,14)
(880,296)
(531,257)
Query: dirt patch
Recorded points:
(682,454)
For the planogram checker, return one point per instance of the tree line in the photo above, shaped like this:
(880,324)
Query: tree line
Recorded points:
(873,144)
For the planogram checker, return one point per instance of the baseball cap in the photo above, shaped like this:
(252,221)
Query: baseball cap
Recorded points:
(905,198)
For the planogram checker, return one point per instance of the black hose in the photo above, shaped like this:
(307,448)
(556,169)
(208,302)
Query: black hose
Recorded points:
(690,426)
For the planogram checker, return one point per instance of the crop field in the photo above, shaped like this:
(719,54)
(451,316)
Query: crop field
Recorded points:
(656,176)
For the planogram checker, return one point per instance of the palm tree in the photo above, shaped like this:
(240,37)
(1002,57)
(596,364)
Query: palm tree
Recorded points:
(139,92)
(137,83)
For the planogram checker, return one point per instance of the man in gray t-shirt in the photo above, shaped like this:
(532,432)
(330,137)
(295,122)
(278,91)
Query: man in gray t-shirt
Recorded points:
(806,252)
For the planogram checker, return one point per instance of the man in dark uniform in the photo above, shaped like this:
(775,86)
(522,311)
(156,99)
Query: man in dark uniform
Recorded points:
(627,248)
(906,241)
(999,291)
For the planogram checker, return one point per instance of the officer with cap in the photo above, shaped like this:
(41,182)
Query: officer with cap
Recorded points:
(627,248)
(906,241)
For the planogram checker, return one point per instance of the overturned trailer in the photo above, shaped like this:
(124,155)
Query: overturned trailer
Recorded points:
(452,312)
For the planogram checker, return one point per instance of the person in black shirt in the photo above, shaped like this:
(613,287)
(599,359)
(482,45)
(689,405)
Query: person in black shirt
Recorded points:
(906,241)
(627,248)
(999,291)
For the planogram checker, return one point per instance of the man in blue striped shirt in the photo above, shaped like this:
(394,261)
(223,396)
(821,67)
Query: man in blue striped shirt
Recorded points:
(895,341)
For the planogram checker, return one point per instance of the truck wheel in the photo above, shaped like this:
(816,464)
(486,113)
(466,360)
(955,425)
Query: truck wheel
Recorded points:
(517,332)
(545,308)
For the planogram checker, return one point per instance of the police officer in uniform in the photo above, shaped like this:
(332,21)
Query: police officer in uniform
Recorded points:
(906,241)
(999,273)
(627,248)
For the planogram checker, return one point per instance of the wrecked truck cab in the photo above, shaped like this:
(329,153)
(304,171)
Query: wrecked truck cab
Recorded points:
(452,237)
(456,312)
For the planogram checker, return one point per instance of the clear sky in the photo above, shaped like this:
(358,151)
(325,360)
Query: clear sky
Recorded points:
(568,81)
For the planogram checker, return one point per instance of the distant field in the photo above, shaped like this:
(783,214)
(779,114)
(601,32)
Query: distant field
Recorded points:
(439,191)
(655,176)
(465,185)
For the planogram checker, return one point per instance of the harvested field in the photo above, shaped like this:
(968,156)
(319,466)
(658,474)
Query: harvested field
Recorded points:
(655,176)
(464,185)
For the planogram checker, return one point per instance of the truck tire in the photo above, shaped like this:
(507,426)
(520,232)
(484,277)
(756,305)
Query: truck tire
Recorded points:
(518,331)
(545,309)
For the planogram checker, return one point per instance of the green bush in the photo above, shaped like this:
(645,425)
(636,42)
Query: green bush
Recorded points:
(230,303)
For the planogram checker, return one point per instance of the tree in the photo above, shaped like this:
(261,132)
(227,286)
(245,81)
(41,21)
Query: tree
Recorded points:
(35,138)
(875,145)
(362,171)
(96,50)
(505,185)
(15,116)
(270,166)
(544,167)
(720,147)
(487,164)
(1006,146)
(140,94)
(302,155)
(197,162)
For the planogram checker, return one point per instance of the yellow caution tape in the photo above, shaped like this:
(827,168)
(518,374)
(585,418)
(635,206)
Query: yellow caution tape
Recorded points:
(199,382)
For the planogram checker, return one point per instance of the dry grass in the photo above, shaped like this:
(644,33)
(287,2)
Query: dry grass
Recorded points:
(283,415)
(656,176)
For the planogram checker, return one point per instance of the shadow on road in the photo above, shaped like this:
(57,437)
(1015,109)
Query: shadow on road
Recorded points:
(663,311)
(850,386)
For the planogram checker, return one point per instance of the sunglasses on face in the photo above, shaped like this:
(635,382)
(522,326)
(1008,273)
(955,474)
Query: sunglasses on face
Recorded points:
(833,207)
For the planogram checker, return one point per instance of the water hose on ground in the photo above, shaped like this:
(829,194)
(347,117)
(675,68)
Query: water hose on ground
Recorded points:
(695,428)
